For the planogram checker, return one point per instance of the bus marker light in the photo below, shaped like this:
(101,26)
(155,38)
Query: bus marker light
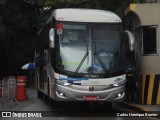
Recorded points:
(59,26)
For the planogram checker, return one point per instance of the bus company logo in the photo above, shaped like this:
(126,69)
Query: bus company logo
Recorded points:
(91,88)
(6,114)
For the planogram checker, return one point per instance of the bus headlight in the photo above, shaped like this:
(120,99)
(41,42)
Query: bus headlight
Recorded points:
(118,83)
(66,84)
(63,82)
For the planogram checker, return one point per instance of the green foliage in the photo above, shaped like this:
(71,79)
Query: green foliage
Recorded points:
(17,35)
(117,6)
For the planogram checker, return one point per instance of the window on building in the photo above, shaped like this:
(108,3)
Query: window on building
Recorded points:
(147,43)
(149,40)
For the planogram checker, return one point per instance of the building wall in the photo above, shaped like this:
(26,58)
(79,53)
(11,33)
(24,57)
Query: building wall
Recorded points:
(147,14)
(148,66)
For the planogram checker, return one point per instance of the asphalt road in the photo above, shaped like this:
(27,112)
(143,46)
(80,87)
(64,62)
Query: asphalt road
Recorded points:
(69,110)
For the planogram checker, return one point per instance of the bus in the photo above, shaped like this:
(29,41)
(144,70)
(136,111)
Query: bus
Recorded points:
(80,56)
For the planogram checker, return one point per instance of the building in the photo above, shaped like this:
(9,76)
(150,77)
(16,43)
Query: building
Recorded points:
(145,20)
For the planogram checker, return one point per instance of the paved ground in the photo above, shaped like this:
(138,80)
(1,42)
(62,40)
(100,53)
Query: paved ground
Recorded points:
(134,105)
(141,107)
(146,108)
(32,102)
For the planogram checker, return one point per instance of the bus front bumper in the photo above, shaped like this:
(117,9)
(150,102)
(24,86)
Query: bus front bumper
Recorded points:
(116,94)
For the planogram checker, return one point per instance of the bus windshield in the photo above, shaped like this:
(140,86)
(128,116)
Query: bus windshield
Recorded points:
(90,48)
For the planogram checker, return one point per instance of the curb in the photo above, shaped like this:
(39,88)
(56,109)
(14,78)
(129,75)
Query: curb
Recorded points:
(136,108)
(139,108)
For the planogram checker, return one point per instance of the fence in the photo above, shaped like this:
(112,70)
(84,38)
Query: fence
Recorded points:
(8,93)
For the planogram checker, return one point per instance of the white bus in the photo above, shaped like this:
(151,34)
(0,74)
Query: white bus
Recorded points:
(80,56)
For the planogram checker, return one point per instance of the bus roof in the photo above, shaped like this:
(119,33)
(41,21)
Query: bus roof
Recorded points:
(85,15)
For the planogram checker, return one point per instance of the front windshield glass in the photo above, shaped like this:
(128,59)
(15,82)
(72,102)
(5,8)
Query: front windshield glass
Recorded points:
(90,48)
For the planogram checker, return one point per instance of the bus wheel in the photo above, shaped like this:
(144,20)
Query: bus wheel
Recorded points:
(48,90)
(39,94)
(53,103)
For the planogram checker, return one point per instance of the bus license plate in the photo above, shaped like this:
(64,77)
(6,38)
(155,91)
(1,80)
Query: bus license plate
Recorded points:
(90,98)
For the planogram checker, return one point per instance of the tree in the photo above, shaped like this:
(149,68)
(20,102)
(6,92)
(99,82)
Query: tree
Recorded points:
(18,34)
(117,6)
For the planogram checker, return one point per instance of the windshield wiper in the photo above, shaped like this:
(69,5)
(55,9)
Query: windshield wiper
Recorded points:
(100,60)
(82,61)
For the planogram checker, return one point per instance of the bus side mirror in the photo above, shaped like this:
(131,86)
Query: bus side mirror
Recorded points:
(131,40)
(42,60)
(51,37)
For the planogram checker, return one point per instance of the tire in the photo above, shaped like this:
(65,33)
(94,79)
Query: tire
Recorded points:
(39,94)
(53,103)
(48,89)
